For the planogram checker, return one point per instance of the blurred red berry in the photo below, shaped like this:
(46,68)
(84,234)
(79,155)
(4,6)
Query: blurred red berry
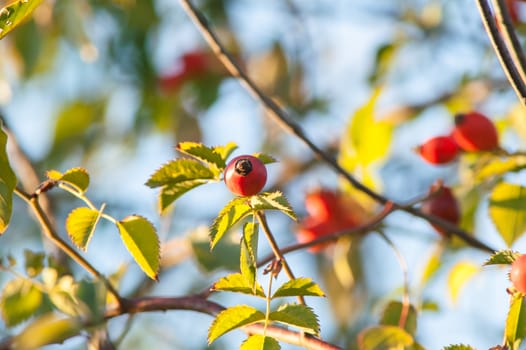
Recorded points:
(475,132)
(518,273)
(443,204)
(439,150)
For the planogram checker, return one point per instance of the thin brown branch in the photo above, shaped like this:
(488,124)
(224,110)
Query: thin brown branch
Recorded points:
(499,46)
(52,235)
(199,304)
(281,117)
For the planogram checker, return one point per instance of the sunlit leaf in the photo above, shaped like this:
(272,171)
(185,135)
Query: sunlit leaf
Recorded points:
(12,15)
(260,342)
(434,261)
(297,315)
(265,158)
(48,329)
(237,283)
(204,154)
(272,201)
(298,286)
(172,192)
(503,257)
(384,338)
(459,276)
(232,213)
(233,318)
(140,238)
(499,167)
(19,301)
(7,184)
(177,171)
(392,314)
(81,224)
(76,177)
(507,209)
(516,322)
(249,253)
(226,150)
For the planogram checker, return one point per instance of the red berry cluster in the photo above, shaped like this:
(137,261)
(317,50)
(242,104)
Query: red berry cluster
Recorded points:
(443,204)
(473,132)
(328,212)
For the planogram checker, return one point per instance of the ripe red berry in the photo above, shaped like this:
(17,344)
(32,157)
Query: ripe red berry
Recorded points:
(439,150)
(518,273)
(312,228)
(245,175)
(443,204)
(475,132)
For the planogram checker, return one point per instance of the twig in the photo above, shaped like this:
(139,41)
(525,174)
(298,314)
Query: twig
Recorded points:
(50,233)
(499,46)
(283,119)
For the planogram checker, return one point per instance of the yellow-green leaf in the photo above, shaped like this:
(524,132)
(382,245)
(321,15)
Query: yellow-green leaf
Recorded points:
(297,315)
(503,257)
(140,238)
(81,224)
(260,342)
(249,253)
(48,329)
(204,154)
(12,15)
(238,284)
(516,322)
(232,318)
(232,213)
(384,338)
(507,209)
(75,177)
(299,286)
(459,276)
(392,313)
(272,201)
(7,184)
(19,301)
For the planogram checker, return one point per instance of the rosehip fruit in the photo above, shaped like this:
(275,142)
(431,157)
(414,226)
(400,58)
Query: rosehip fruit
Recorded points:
(312,228)
(443,204)
(245,175)
(322,204)
(518,273)
(438,150)
(475,132)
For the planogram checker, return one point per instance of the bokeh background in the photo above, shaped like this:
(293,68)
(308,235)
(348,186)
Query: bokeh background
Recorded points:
(113,85)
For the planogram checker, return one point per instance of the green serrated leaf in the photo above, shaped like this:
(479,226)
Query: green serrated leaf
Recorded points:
(231,214)
(226,150)
(233,318)
(503,257)
(265,158)
(260,342)
(7,183)
(249,253)
(75,177)
(458,347)
(34,262)
(80,225)
(237,283)
(272,201)
(459,276)
(298,286)
(179,170)
(392,313)
(204,154)
(12,15)
(47,329)
(170,193)
(297,315)
(19,301)
(384,338)
(507,209)
(516,322)
(140,238)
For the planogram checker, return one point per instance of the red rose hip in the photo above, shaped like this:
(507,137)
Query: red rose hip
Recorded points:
(245,175)
(475,132)
(438,150)
(518,273)
(443,204)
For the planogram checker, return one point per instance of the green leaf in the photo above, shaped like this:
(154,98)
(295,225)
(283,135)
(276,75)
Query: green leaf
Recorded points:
(34,262)
(12,15)
(81,224)
(237,283)
(260,342)
(7,183)
(76,177)
(265,158)
(298,286)
(178,171)
(140,238)
(458,347)
(48,329)
(297,315)
(459,276)
(171,193)
(507,209)
(226,150)
(503,257)
(249,253)
(19,301)
(392,313)
(516,322)
(272,201)
(384,338)
(233,318)
(204,154)
(232,213)
(224,256)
